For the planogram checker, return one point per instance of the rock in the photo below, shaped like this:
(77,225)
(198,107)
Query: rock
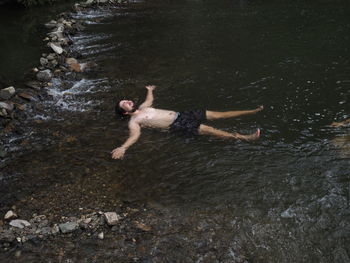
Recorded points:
(34,85)
(74,65)
(7,93)
(57,48)
(44,61)
(19,223)
(44,75)
(111,218)
(10,215)
(21,107)
(7,236)
(101,235)
(9,106)
(55,229)
(51,56)
(87,220)
(51,25)
(46,231)
(68,227)
(89,2)
(26,96)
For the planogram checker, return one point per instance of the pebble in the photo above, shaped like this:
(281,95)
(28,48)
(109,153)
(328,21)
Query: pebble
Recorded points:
(19,223)
(68,227)
(111,218)
(10,215)
(101,235)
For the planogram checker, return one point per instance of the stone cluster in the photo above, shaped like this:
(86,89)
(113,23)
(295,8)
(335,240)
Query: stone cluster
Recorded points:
(14,230)
(94,3)
(16,103)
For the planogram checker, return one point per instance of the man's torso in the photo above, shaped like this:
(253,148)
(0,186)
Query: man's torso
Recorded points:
(154,118)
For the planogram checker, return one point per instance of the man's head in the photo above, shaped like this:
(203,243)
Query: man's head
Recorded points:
(124,108)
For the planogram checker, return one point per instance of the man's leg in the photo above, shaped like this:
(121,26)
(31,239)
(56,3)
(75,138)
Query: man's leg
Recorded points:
(213,115)
(207,130)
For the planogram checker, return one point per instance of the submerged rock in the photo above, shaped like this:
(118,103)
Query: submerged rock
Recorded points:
(7,93)
(68,227)
(7,236)
(10,215)
(101,235)
(111,218)
(44,61)
(44,75)
(34,85)
(19,223)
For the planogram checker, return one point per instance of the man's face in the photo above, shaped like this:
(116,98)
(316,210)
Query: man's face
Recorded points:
(126,105)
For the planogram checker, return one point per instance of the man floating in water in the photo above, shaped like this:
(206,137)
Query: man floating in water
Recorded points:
(187,122)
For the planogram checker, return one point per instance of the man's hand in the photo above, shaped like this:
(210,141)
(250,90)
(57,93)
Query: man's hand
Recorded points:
(118,153)
(150,87)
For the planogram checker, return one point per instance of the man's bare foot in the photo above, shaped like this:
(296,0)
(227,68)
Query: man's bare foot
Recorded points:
(260,108)
(250,137)
(340,124)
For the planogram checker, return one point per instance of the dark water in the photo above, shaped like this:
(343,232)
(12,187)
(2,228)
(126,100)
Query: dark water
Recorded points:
(22,31)
(286,197)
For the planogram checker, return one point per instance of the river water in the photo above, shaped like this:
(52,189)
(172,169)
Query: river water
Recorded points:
(285,197)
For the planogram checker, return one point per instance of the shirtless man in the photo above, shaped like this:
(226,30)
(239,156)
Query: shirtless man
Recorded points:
(188,122)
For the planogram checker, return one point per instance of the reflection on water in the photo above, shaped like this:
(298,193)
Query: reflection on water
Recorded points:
(287,196)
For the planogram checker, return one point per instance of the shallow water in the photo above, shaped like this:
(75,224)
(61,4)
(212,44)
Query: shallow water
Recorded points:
(286,197)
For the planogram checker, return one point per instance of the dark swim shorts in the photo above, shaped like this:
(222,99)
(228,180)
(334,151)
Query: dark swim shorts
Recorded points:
(188,122)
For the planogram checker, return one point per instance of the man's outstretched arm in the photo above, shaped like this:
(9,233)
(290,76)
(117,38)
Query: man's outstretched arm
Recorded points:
(149,98)
(135,132)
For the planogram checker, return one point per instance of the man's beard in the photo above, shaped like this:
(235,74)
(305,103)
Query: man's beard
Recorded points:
(134,109)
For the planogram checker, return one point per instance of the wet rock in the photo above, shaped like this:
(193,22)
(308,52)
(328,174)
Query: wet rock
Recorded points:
(46,231)
(44,61)
(51,25)
(68,227)
(9,106)
(44,75)
(7,236)
(56,47)
(34,85)
(21,107)
(112,218)
(10,215)
(3,113)
(101,235)
(73,64)
(19,223)
(51,56)
(26,96)
(7,93)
